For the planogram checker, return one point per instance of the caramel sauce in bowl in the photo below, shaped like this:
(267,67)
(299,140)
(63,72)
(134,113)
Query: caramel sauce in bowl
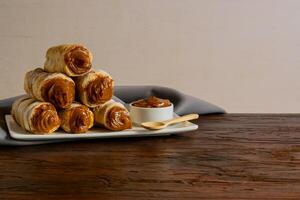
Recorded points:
(152,102)
(150,109)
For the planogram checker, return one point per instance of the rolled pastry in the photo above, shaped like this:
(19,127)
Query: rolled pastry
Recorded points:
(71,59)
(113,116)
(76,119)
(56,88)
(95,88)
(35,116)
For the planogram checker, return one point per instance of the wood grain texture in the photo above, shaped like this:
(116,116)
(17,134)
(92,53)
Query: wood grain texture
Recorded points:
(233,156)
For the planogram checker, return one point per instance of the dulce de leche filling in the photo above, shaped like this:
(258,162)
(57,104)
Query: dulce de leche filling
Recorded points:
(78,60)
(80,119)
(100,90)
(118,119)
(60,92)
(45,119)
(152,102)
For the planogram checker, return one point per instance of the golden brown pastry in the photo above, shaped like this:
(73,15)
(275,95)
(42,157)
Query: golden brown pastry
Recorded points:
(56,88)
(95,88)
(76,119)
(35,116)
(71,59)
(113,116)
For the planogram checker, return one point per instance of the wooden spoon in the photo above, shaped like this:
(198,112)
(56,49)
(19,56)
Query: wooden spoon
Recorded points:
(164,124)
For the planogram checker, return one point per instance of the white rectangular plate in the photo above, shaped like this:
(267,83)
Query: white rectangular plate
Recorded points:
(19,133)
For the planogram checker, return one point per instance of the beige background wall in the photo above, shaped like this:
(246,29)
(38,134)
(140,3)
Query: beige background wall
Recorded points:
(243,55)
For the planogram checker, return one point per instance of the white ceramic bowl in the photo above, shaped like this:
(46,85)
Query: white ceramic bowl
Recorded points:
(140,114)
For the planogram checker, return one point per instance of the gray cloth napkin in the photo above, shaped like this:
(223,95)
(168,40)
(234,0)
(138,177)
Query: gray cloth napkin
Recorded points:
(183,104)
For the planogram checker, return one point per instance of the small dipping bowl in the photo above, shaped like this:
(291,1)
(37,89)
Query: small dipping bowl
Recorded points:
(141,114)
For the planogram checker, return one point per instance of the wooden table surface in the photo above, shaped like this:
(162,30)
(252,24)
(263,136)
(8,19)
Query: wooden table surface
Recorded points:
(232,156)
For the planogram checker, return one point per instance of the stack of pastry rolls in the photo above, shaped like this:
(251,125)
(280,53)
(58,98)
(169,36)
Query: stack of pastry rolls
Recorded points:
(69,94)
